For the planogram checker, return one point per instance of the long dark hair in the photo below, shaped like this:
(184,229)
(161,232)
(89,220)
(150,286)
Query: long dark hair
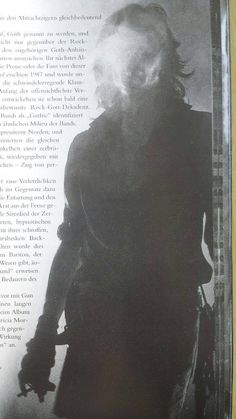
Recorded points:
(174,66)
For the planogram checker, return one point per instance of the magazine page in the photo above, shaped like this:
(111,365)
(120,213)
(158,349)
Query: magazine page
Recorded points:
(115,276)
(46,99)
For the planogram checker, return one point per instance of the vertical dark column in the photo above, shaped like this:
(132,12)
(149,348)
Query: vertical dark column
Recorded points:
(220,217)
(218,204)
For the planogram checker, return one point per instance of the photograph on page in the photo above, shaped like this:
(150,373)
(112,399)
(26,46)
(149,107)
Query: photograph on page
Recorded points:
(115,228)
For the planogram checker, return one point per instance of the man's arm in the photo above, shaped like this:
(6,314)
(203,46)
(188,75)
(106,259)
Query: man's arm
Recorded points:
(39,359)
(69,232)
(60,278)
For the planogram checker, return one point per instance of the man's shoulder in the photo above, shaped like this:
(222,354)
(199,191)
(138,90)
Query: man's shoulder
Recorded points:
(88,148)
(192,116)
(80,144)
(90,140)
(78,166)
(196,127)
(201,118)
(205,115)
(201,144)
(81,149)
(202,128)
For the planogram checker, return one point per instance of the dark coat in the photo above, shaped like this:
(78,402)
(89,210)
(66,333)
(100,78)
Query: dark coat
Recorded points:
(132,308)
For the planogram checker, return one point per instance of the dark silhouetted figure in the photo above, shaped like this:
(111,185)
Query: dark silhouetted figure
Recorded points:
(127,272)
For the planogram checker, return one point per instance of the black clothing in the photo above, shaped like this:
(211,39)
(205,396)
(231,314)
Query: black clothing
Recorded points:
(133,306)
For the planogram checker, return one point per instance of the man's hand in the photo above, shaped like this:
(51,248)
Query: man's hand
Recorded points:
(40,385)
(40,358)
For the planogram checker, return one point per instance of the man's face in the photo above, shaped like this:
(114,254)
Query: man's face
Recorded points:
(129,61)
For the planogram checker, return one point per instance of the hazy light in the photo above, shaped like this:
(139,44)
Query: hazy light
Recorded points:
(125,62)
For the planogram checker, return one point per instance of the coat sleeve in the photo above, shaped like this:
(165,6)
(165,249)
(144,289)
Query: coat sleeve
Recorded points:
(73,217)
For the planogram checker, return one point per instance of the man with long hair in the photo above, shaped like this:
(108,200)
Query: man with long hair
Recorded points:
(138,214)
